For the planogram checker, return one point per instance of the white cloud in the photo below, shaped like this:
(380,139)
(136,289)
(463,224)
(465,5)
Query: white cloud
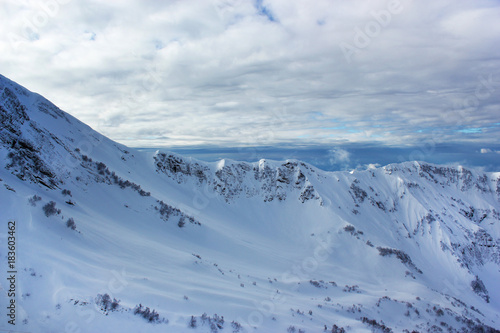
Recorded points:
(339,156)
(372,166)
(489,151)
(154,73)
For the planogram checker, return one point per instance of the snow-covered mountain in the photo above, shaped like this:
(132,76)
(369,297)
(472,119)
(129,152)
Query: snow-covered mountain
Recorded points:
(113,239)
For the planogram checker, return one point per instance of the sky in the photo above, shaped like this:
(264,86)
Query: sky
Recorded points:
(265,73)
(354,156)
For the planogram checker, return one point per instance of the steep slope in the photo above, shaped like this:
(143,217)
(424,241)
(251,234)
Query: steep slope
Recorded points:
(112,238)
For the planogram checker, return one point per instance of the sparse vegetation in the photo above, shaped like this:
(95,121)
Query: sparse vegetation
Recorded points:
(357,193)
(34,199)
(318,284)
(351,289)
(337,329)
(110,177)
(107,304)
(402,256)
(479,288)
(71,223)
(349,228)
(50,209)
(66,192)
(375,325)
(215,323)
(150,315)
(166,212)
(192,322)
(236,326)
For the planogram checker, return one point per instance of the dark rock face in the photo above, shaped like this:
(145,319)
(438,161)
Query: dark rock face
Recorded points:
(243,179)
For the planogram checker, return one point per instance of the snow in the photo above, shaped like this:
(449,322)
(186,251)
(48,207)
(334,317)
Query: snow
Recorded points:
(270,244)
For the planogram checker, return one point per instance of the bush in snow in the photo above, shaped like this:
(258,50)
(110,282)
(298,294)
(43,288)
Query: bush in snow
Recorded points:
(351,289)
(349,228)
(336,329)
(479,288)
(402,256)
(107,304)
(66,192)
(71,224)
(34,199)
(50,209)
(380,327)
(150,315)
(192,322)
(236,326)
(215,323)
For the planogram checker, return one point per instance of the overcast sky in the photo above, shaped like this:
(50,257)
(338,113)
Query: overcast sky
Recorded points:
(263,72)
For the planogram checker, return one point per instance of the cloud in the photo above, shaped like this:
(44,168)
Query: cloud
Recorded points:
(372,166)
(267,72)
(339,156)
(489,151)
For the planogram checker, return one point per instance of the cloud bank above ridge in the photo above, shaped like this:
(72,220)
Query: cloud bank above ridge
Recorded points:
(266,72)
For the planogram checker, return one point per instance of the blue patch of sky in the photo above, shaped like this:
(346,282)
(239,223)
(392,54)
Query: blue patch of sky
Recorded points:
(470,130)
(264,11)
(158,44)
(333,128)
(316,115)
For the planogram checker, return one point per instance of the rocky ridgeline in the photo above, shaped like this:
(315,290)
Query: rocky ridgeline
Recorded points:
(239,179)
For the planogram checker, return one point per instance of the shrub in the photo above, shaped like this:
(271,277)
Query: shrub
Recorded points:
(350,289)
(34,199)
(236,326)
(215,323)
(144,193)
(150,315)
(376,326)
(71,224)
(66,192)
(101,168)
(336,329)
(318,284)
(50,209)
(402,256)
(479,288)
(192,322)
(349,228)
(107,305)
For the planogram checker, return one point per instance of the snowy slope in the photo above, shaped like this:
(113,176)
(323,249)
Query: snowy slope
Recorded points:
(270,246)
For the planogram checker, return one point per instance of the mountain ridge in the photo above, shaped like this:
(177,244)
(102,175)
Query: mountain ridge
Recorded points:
(425,237)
